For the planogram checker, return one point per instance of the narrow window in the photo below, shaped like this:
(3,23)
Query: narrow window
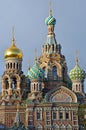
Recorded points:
(38,115)
(67,115)
(34,86)
(54,72)
(14,65)
(39,87)
(60,115)
(54,115)
(53,47)
(11,65)
(17,65)
(76,87)
(45,72)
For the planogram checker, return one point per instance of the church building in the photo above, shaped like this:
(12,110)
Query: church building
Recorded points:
(47,98)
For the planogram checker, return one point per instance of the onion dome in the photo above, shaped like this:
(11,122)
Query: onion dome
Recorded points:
(35,72)
(77,73)
(50,20)
(13,51)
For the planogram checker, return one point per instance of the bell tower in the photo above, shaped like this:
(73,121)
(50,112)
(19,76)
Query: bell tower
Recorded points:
(13,79)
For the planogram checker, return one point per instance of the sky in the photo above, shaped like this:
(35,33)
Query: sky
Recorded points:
(28,19)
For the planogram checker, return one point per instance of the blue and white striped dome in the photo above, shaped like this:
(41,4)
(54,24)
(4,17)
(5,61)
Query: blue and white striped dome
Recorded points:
(35,72)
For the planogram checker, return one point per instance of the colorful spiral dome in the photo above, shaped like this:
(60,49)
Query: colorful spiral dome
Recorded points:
(35,72)
(77,73)
(50,20)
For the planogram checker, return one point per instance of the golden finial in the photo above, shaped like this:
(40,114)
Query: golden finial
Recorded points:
(13,39)
(77,59)
(50,10)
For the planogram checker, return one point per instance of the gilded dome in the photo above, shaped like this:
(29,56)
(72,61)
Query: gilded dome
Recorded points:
(77,73)
(35,72)
(13,51)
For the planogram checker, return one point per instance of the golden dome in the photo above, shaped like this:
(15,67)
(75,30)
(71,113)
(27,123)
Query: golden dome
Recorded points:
(13,51)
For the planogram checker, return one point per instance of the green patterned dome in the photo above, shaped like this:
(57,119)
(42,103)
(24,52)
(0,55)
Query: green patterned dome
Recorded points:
(50,20)
(77,73)
(35,72)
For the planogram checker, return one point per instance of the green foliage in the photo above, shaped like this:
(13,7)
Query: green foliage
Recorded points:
(18,126)
(82,115)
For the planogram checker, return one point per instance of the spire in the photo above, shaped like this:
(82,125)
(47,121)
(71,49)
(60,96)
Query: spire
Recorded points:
(50,20)
(50,10)
(77,59)
(36,56)
(29,65)
(13,39)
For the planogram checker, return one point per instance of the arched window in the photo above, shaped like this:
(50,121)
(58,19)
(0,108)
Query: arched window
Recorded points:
(76,87)
(54,72)
(45,72)
(14,65)
(34,86)
(6,83)
(46,48)
(11,65)
(17,65)
(53,47)
(79,87)
(8,65)
(40,87)
(37,87)
(14,83)
(63,73)
(54,115)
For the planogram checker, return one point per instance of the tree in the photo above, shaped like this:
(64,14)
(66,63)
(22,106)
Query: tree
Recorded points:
(82,116)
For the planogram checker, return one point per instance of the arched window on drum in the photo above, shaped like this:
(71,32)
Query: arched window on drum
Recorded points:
(45,72)
(54,72)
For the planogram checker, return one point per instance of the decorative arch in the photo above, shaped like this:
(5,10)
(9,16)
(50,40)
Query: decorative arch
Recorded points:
(39,127)
(15,79)
(16,76)
(5,81)
(62,126)
(61,94)
(68,127)
(5,76)
(56,127)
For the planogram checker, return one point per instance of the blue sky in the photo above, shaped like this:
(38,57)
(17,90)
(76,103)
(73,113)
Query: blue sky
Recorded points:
(28,19)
